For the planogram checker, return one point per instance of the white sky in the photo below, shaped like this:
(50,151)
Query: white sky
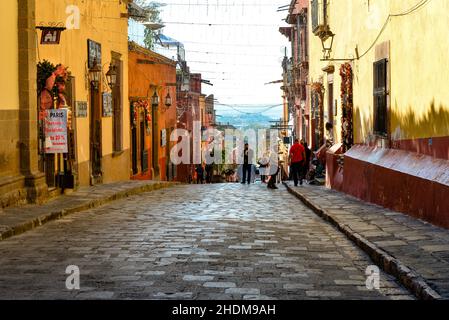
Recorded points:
(239,55)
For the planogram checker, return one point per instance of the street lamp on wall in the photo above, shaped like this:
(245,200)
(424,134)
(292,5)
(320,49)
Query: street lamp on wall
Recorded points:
(155,100)
(168,100)
(111,76)
(95,74)
(327,42)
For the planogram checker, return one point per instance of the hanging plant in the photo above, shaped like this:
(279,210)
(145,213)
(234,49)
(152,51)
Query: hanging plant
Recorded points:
(317,87)
(141,105)
(347,106)
(44,70)
(147,117)
(134,111)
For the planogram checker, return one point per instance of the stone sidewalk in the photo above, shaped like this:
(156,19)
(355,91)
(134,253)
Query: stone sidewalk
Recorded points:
(414,251)
(16,220)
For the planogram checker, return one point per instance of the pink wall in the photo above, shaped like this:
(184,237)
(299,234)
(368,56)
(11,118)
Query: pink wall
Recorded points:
(403,181)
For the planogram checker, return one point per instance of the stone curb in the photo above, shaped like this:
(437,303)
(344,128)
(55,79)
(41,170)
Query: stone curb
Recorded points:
(7,232)
(408,278)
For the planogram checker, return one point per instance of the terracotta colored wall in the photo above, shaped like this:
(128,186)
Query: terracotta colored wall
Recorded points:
(160,74)
(334,173)
(437,147)
(406,182)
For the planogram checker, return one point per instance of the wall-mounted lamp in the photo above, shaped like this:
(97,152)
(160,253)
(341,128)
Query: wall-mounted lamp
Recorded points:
(111,76)
(155,100)
(168,100)
(327,44)
(95,74)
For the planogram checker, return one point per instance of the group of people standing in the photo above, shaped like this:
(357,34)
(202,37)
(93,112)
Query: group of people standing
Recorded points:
(268,167)
(299,160)
(204,173)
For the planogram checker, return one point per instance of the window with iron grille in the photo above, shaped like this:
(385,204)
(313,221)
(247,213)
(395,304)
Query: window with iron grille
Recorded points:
(117,120)
(380,92)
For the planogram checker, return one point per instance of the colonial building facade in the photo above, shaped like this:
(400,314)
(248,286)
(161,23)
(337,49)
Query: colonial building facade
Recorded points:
(152,99)
(377,83)
(20,178)
(92,46)
(296,72)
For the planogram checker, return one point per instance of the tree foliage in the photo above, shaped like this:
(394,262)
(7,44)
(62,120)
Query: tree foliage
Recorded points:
(153,12)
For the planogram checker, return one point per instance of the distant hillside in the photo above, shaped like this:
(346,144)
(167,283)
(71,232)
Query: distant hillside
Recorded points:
(245,121)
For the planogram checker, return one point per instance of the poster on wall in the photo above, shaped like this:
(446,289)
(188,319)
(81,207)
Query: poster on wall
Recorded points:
(55,130)
(94,53)
(163,137)
(107,104)
(81,109)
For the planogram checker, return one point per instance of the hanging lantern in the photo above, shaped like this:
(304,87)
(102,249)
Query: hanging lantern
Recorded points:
(95,74)
(168,100)
(111,76)
(155,100)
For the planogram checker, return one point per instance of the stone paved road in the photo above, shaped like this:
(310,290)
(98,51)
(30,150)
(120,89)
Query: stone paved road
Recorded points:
(224,241)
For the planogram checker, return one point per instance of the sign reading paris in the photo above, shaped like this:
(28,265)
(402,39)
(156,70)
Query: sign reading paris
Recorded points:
(55,130)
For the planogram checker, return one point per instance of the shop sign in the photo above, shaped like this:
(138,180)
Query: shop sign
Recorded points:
(55,130)
(51,35)
(107,104)
(81,109)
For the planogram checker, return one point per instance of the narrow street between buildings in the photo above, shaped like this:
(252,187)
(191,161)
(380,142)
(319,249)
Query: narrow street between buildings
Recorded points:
(221,241)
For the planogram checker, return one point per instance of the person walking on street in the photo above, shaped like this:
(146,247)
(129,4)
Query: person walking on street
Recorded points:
(247,164)
(273,170)
(306,165)
(199,174)
(297,157)
(263,166)
(209,170)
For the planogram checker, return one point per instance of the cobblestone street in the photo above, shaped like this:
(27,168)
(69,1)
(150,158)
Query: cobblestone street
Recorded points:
(223,241)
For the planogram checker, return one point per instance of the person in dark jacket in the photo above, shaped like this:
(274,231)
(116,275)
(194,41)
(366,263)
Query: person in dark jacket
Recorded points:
(308,158)
(209,171)
(199,174)
(248,157)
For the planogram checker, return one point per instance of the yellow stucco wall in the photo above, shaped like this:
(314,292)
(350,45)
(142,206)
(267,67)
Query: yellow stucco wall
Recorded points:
(9,92)
(418,55)
(9,77)
(100,21)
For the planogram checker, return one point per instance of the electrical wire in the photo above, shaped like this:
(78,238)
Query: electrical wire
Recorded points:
(222,24)
(235,64)
(235,108)
(234,53)
(417,6)
(222,5)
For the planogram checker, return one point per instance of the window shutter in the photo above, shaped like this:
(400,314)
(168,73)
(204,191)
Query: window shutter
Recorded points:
(380,97)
